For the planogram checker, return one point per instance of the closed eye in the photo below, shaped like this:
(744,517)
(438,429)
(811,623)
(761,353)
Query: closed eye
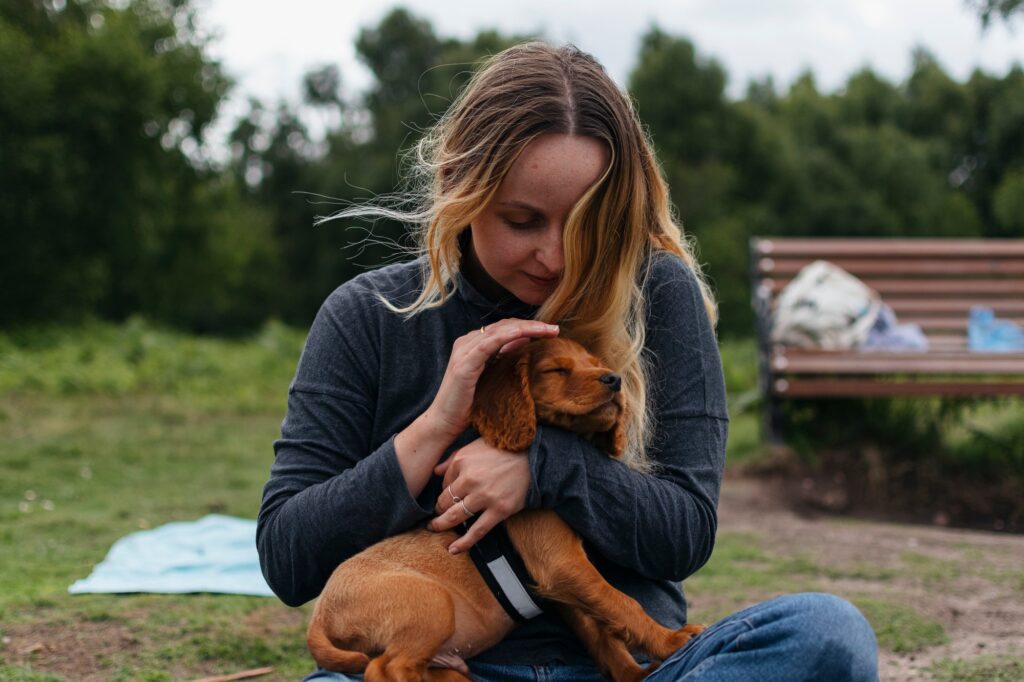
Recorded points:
(523,224)
(558,370)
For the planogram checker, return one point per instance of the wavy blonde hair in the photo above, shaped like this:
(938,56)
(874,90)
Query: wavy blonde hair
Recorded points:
(521,93)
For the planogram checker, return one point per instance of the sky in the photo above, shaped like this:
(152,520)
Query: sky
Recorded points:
(268,46)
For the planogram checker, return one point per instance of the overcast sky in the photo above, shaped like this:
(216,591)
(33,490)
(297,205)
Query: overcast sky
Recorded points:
(268,46)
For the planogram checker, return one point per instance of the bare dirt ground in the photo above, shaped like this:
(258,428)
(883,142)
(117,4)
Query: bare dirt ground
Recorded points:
(972,582)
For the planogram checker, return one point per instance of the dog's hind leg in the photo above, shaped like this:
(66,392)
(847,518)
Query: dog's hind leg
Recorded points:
(609,652)
(330,655)
(554,555)
(418,624)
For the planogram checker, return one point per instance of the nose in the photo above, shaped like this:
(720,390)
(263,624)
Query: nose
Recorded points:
(612,381)
(549,250)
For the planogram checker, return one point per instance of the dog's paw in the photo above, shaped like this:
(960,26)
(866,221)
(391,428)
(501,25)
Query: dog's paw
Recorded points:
(683,635)
(694,628)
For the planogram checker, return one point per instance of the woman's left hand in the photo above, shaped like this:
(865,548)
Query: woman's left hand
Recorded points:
(488,482)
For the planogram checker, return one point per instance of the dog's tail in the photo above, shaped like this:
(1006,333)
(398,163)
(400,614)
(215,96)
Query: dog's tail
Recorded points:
(331,657)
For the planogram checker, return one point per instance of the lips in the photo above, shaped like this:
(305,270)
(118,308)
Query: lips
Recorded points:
(542,281)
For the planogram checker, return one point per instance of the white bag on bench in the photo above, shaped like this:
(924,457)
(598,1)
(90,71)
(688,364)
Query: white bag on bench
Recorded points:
(824,307)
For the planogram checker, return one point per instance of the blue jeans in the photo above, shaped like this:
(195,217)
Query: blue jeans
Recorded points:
(807,636)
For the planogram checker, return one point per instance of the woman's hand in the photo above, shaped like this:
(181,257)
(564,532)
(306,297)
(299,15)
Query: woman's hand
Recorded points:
(451,407)
(422,443)
(487,482)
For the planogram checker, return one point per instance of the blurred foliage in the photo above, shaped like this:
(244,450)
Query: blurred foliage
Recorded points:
(106,206)
(112,205)
(96,358)
(1004,9)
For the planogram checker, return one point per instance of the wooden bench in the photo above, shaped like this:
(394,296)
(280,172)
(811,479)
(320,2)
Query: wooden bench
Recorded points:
(931,282)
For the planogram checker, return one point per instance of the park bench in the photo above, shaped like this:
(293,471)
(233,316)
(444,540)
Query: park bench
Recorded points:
(930,282)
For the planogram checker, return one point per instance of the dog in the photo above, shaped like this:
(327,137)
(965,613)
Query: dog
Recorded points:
(405,609)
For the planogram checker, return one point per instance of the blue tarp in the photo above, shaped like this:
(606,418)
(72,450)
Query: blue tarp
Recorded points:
(214,554)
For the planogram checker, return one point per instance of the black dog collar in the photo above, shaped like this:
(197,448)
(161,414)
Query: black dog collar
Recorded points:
(505,573)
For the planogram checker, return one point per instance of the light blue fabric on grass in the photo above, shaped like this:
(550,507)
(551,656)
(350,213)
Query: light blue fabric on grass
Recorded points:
(214,554)
(989,334)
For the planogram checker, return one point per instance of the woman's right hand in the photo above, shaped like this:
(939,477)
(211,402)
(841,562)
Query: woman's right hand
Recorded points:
(470,354)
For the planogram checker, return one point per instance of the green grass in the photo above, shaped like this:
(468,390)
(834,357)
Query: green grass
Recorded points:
(979,669)
(741,572)
(739,363)
(109,429)
(9,673)
(900,628)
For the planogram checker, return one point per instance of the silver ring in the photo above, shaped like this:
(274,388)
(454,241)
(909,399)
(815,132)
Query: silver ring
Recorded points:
(455,498)
(469,514)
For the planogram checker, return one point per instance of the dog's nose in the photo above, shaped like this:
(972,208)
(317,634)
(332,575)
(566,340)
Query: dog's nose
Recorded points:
(612,381)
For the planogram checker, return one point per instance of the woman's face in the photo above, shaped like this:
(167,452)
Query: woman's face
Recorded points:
(517,239)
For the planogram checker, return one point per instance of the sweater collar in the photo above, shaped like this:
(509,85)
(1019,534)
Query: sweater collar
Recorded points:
(493,310)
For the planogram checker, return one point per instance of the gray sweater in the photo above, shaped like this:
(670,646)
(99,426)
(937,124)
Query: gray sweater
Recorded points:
(365,373)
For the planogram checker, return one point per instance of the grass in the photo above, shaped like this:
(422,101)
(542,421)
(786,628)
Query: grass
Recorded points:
(739,362)
(900,628)
(741,572)
(980,669)
(109,429)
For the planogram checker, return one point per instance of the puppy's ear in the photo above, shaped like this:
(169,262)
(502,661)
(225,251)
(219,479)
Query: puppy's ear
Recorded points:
(613,441)
(503,409)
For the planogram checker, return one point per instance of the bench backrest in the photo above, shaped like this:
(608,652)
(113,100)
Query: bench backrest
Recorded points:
(932,282)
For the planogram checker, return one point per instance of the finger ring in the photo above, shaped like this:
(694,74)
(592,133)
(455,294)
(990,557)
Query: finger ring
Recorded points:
(469,514)
(455,498)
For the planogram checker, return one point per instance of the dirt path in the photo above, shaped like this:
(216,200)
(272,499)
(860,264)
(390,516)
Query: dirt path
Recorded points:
(971,582)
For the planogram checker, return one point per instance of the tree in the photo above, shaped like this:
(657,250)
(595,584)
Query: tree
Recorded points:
(986,9)
(101,121)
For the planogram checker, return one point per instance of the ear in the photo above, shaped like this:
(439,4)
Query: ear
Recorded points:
(612,441)
(503,409)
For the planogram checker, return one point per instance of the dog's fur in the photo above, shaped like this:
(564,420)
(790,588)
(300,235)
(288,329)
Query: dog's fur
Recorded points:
(405,603)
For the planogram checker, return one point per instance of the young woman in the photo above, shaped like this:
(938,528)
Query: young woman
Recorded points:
(543,212)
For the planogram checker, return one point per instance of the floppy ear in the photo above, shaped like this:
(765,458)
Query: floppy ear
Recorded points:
(503,409)
(613,441)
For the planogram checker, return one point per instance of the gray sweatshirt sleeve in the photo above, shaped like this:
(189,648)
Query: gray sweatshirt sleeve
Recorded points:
(331,492)
(662,524)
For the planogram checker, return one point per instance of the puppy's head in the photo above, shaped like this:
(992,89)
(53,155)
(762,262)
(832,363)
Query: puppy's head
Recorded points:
(554,381)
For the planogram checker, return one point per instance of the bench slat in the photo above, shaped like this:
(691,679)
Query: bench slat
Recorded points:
(949,323)
(902,266)
(888,248)
(841,388)
(897,363)
(926,287)
(920,306)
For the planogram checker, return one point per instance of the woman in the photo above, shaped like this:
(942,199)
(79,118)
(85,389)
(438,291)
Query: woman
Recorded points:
(543,206)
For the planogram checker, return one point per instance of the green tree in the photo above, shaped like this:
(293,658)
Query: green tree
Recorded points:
(987,9)
(106,204)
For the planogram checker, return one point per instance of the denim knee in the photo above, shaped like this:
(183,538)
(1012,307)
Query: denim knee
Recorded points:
(842,640)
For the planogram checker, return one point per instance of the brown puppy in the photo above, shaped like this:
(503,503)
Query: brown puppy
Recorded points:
(404,603)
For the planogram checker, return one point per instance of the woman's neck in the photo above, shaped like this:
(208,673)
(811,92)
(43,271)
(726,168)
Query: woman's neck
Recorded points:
(473,270)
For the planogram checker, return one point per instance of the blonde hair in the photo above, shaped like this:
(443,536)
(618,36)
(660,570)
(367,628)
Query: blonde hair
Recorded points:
(521,93)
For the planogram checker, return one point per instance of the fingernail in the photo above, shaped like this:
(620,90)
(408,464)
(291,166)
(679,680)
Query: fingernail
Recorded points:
(454,550)
(553,327)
